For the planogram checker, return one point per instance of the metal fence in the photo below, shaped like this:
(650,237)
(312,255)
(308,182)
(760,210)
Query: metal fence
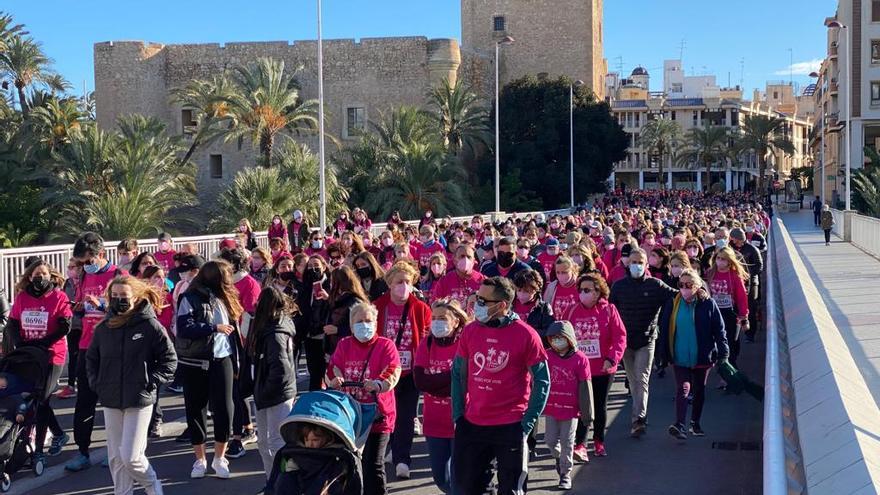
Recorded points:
(839,225)
(866,234)
(12,261)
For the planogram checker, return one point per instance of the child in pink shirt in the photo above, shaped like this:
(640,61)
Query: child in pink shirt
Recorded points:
(571,395)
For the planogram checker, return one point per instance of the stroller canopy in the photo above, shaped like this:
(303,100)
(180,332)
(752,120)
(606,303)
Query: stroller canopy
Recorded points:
(338,412)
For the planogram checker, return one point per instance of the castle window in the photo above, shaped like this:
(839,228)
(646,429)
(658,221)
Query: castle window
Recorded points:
(355,121)
(498,23)
(187,121)
(216,165)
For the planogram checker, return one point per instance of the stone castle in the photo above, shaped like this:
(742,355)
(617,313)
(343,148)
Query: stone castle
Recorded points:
(361,78)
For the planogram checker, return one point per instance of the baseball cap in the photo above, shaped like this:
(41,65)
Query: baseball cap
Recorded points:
(191,262)
(228,244)
(552,242)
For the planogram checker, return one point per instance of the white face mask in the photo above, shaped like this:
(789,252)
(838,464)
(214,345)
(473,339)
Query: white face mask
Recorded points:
(441,329)
(364,331)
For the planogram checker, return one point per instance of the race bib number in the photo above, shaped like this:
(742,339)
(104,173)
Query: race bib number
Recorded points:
(724,301)
(92,310)
(590,347)
(405,360)
(35,323)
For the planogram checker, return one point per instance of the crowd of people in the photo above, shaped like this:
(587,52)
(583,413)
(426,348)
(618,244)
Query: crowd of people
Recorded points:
(489,325)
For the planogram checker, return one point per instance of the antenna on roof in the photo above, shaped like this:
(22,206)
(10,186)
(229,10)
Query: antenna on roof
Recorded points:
(681,46)
(619,64)
(742,72)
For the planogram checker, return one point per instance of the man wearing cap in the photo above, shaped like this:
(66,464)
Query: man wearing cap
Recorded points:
(754,263)
(165,254)
(298,233)
(548,257)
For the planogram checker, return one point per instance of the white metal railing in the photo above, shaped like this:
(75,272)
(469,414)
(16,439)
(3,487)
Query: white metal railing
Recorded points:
(12,261)
(865,234)
(838,227)
(775,477)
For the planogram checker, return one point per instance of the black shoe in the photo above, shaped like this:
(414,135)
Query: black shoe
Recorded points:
(249,436)
(638,428)
(696,430)
(235,449)
(677,431)
(661,372)
(184,437)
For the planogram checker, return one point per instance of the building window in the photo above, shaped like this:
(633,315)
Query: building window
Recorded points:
(875,10)
(776,95)
(216,166)
(187,121)
(356,121)
(498,23)
(672,116)
(875,92)
(676,87)
(875,51)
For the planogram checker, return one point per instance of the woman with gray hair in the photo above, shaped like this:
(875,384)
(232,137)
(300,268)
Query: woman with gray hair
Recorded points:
(692,339)
(373,362)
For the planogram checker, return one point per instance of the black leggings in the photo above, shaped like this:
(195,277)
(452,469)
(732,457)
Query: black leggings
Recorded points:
(374,464)
(45,415)
(827,235)
(601,389)
(72,356)
(241,415)
(84,411)
(202,386)
(732,329)
(315,362)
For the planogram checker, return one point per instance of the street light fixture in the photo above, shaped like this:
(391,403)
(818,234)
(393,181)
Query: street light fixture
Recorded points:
(840,25)
(507,40)
(576,84)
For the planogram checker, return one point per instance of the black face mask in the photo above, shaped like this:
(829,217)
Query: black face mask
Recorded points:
(505,260)
(39,286)
(365,272)
(287,276)
(314,273)
(120,305)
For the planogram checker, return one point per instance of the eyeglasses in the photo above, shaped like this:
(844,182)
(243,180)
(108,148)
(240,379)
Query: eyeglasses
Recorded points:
(482,301)
(685,285)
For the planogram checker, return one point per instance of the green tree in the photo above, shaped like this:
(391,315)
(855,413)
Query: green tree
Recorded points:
(705,147)
(24,63)
(8,30)
(661,137)
(866,191)
(762,135)
(461,116)
(804,175)
(209,102)
(265,104)
(535,144)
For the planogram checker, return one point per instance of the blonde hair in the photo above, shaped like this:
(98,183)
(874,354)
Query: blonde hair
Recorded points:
(267,256)
(565,260)
(735,265)
(402,267)
(681,257)
(142,293)
(361,308)
(453,306)
(695,277)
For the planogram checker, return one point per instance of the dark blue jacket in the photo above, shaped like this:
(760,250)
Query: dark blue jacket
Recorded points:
(491,269)
(711,337)
(196,329)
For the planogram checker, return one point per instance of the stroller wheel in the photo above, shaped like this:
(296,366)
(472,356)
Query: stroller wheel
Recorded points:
(5,483)
(39,467)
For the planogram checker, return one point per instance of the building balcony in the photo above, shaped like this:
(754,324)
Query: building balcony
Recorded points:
(832,87)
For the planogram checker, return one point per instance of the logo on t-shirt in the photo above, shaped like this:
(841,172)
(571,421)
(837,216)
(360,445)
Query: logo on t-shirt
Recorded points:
(493,361)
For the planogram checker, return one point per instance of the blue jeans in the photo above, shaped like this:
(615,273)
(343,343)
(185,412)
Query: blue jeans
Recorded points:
(440,453)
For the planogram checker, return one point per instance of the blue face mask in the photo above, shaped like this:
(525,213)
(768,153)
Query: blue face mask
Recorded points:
(720,243)
(481,312)
(636,270)
(92,269)
(364,331)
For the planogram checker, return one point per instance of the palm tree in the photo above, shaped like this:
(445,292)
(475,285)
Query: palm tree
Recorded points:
(403,126)
(266,103)
(25,63)
(460,115)
(706,147)
(209,101)
(424,179)
(8,30)
(867,191)
(51,124)
(763,135)
(660,138)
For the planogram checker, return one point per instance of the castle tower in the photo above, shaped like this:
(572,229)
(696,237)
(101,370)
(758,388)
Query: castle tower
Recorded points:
(557,37)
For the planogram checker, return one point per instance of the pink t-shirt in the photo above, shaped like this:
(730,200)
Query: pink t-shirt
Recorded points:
(548,262)
(94,285)
(248,292)
(39,317)
(393,315)
(600,334)
(523,310)
(499,380)
(565,375)
(729,292)
(437,412)
(166,259)
(564,299)
(350,359)
(457,287)
(423,253)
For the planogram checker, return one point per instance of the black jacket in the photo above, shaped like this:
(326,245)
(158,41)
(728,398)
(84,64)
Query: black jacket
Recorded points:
(540,319)
(753,261)
(639,302)
(492,269)
(338,315)
(274,370)
(126,365)
(196,329)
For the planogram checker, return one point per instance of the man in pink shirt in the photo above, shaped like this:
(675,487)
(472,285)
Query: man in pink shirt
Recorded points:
(500,384)
(462,282)
(165,254)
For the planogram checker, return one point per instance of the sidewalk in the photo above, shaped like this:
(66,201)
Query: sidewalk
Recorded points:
(846,278)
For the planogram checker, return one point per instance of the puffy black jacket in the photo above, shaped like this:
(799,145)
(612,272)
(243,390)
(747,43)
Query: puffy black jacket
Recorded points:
(493,270)
(540,319)
(125,365)
(274,371)
(639,302)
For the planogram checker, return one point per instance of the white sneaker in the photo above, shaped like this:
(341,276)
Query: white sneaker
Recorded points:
(417,426)
(388,458)
(402,471)
(199,468)
(221,467)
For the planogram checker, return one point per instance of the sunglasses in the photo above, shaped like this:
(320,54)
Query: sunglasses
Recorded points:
(482,301)
(685,285)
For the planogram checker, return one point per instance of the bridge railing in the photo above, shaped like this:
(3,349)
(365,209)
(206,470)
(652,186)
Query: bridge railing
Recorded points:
(12,261)
(861,230)
(839,223)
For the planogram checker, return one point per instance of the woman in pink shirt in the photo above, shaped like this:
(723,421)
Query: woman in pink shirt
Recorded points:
(562,293)
(601,336)
(433,376)
(277,228)
(372,360)
(726,277)
(461,283)
(41,316)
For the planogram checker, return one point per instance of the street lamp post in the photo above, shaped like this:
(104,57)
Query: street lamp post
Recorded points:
(503,41)
(323,184)
(821,144)
(849,63)
(571,87)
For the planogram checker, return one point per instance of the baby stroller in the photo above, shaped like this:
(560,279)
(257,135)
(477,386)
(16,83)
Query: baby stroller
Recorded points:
(334,469)
(26,370)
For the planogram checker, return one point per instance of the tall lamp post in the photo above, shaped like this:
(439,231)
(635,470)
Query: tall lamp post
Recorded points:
(323,184)
(821,144)
(503,41)
(571,87)
(840,25)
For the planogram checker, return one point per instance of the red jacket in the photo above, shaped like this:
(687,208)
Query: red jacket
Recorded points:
(419,316)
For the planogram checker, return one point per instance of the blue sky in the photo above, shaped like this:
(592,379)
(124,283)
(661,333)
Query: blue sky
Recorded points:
(718,35)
